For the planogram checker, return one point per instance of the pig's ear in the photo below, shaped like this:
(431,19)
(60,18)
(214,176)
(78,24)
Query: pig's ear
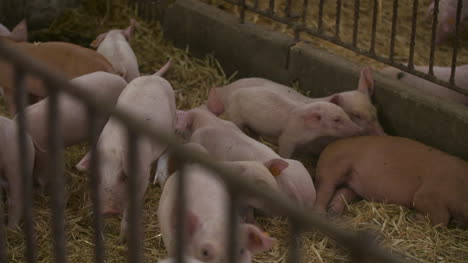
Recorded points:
(256,240)
(335,99)
(128,32)
(192,222)
(83,165)
(20,32)
(214,104)
(312,118)
(366,82)
(276,166)
(183,120)
(98,40)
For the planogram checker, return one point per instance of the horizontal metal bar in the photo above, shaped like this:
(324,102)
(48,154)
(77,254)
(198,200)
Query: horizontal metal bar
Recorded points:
(336,41)
(306,219)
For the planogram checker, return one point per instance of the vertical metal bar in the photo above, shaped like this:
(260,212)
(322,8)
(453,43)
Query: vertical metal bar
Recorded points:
(242,11)
(394,23)
(256,4)
(135,238)
(374,27)
(94,182)
(294,243)
(455,43)
(338,19)
(21,101)
(56,175)
(287,9)
(304,11)
(233,228)
(272,7)
(356,21)
(413,34)
(320,17)
(433,37)
(181,206)
(3,255)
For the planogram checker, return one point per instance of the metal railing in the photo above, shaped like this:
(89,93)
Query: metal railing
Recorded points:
(301,26)
(361,246)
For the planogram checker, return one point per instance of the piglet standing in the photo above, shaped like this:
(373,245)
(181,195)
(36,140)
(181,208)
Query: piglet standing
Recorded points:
(426,86)
(18,34)
(356,103)
(150,99)
(206,221)
(115,47)
(226,142)
(393,170)
(10,168)
(73,116)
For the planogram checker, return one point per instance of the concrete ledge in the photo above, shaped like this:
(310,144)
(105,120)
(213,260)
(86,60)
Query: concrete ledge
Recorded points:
(254,51)
(239,47)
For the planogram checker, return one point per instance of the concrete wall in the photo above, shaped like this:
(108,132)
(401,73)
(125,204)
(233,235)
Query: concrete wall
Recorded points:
(254,51)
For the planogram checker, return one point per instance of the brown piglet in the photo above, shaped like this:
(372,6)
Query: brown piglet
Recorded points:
(393,170)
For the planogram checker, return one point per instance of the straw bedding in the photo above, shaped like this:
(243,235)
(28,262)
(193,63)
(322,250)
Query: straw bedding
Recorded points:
(191,78)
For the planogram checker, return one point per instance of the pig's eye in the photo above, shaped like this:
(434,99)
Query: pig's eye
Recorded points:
(123,176)
(357,117)
(207,253)
(337,120)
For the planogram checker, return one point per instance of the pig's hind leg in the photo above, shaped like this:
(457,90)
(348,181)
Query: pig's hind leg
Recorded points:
(429,202)
(342,196)
(329,178)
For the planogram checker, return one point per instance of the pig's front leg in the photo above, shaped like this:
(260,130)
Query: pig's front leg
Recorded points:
(15,200)
(286,146)
(342,196)
(428,202)
(124,226)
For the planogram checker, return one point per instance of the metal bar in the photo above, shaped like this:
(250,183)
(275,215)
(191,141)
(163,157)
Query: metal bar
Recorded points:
(393,35)
(304,11)
(294,243)
(338,19)
(233,228)
(256,4)
(56,175)
(306,219)
(356,22)
(320,17)
(433,37)
(271,8)
(94,182)
(374,27)
(336,41)
(242,11)
(181,210)
(413,35)
(3,254)
(21,101)
(287,9)
(135,237)
(456,42)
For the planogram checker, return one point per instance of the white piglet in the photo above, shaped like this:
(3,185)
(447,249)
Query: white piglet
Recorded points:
(115,47)
(206,218)
(150,99)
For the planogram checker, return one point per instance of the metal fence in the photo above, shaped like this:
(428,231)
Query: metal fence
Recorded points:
(361,245)
(300,26)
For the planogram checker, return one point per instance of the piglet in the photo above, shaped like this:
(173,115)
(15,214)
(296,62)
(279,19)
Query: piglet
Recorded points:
(357,103)
(425,86)
(393,170)
(67,59)
(10,168)
(447,17)
(73,116)
(286,122)
(206,221)
(115,47)
(226,142)
(150,99)
(18,34)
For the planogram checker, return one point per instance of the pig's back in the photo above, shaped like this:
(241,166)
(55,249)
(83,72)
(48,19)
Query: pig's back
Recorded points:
(71,59)
(119,53)
(4,31)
